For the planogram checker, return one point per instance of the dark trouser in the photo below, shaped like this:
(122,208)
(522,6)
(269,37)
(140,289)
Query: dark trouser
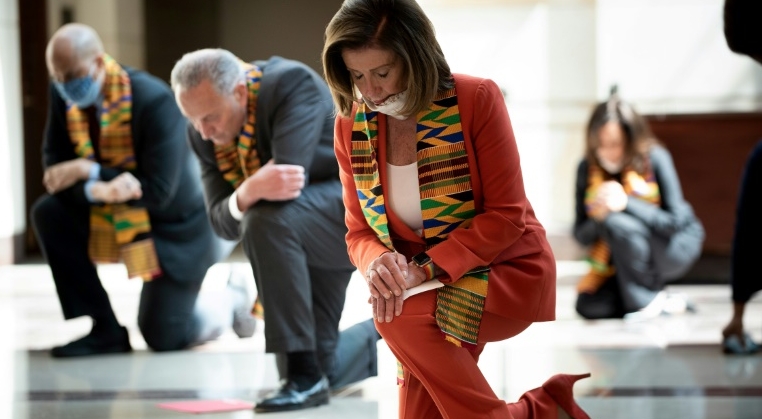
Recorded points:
(299,257)
(744,276)
(355,358)
(644,263)
(605,303)
(166,317)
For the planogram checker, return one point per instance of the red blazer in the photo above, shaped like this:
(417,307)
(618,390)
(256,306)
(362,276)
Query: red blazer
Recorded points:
(505,234)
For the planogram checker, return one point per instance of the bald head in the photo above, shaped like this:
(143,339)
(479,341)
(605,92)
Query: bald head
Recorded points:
(71,51)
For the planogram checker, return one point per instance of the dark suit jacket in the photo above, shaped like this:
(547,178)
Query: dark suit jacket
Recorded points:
(167,172)
(294,126)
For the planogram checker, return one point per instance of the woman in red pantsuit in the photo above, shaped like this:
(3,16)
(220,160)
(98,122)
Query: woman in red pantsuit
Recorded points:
(434,195)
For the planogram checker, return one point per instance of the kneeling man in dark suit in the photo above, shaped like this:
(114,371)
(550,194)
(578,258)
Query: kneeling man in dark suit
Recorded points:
(122,185)
(263,133)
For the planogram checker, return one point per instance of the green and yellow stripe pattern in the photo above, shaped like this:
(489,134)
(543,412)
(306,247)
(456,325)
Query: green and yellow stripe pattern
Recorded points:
(239,160)
(118,230)
(447,202)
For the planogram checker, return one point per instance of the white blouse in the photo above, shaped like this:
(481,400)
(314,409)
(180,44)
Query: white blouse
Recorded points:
(404,195)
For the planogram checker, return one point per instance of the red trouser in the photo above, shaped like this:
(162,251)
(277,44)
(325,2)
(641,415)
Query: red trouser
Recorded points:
(443,380)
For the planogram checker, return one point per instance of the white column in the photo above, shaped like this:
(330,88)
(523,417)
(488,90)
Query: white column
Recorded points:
(671,57)
(12,199)
(557,58)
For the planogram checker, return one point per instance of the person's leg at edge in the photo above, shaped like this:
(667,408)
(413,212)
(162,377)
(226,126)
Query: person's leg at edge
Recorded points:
(735,339)
(735,326)
(744,255)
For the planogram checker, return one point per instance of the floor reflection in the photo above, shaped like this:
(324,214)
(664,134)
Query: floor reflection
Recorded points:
(664,368)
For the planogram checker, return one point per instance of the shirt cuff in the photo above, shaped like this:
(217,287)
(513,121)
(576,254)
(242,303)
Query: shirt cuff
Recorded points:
(95,172)
(233,207)
(89,191)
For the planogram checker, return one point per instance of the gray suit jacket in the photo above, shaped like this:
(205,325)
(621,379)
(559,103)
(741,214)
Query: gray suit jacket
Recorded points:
(294,126)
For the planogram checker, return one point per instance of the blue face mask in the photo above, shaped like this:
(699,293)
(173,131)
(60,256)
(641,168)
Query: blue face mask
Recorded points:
(82,91)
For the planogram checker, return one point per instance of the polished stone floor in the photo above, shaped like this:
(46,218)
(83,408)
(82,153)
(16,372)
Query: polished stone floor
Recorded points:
(662,368)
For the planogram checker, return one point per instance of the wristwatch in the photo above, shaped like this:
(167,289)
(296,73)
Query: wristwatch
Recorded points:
(421,259)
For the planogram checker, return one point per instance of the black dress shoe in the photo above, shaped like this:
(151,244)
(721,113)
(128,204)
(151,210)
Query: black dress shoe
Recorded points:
(288,397)
(94,345)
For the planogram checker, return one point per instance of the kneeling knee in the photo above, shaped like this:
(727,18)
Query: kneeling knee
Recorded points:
(160,338)
(386,330)
(619,224)
(270,213)
(590,309)
(43,212)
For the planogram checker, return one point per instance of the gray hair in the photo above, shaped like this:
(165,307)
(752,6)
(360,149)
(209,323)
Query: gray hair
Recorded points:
(219,66)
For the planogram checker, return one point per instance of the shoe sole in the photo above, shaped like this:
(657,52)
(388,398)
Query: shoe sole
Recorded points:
(310,403)
(56,354)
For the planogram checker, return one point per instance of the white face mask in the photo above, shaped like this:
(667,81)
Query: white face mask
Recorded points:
(609,166)
(392,106)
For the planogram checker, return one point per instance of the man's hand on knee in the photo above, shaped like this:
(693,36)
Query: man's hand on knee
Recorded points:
(272,182)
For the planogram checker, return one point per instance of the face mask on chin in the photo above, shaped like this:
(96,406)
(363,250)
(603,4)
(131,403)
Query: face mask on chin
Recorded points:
(609,166)
(392,106)
(82,91)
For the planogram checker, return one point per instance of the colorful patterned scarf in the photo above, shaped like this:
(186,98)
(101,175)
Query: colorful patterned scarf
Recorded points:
(447,202)
(239,160)
(635,185)
(116,229)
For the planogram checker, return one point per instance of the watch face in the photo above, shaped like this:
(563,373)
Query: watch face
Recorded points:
(421,259)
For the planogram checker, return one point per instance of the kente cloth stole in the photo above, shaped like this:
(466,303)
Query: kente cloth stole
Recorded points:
(116,230)
(239,160)
(447,202)
(635,185)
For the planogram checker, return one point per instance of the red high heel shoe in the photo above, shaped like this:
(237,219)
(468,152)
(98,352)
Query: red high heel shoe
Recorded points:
(559,387)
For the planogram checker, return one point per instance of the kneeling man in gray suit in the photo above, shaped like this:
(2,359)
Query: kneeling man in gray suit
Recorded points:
(263,133)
